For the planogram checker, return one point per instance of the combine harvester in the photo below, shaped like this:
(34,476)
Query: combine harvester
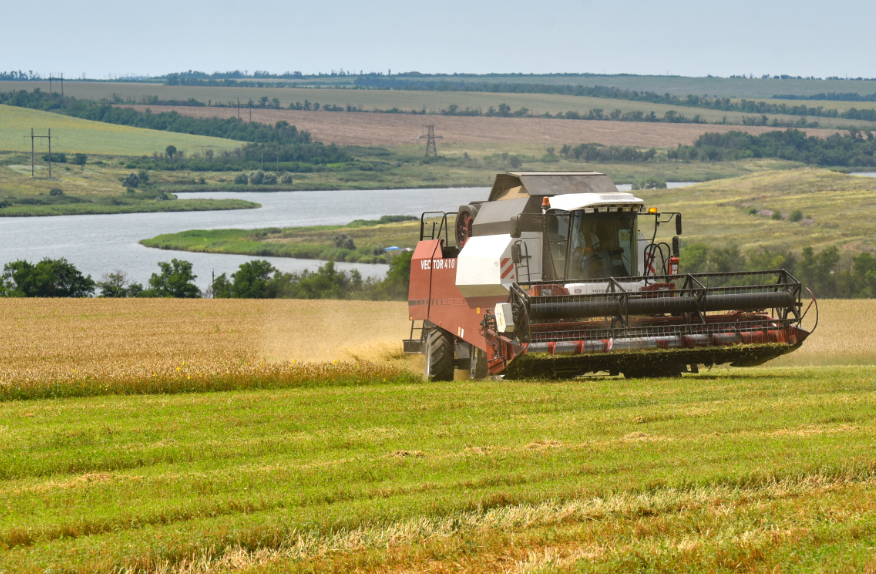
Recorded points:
(552,276)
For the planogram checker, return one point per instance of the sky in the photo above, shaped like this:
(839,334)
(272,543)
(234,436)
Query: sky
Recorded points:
(100,39)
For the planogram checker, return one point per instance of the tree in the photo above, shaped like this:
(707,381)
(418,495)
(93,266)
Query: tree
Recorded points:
(694,258)
(48,278)
(253,280)
(80,159)
(170,151)
(241,178)
(175,280)
(116,284)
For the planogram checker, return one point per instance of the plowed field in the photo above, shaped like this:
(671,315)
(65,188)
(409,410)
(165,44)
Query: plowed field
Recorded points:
(403,129)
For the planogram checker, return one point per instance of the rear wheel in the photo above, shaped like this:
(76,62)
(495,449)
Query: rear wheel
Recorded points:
(478,363)
(439,355)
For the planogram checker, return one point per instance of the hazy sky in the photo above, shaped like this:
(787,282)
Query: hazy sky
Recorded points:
(696,38)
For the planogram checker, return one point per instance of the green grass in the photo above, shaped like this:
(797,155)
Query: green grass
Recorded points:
(125,205)
(733,469)
(838,210)
(74,135)
(299,242)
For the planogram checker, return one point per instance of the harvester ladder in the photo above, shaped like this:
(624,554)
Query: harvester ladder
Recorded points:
(523,250)
(412,344)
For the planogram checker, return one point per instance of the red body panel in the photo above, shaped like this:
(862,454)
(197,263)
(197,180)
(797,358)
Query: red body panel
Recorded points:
(433,295)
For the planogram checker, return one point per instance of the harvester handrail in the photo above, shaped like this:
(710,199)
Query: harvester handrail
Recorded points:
(442,227)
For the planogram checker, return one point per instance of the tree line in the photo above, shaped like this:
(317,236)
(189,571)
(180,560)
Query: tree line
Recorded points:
(827,273)
(256,279)
(856,149)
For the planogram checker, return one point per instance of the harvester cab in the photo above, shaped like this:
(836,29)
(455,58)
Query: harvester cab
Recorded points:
(560,274)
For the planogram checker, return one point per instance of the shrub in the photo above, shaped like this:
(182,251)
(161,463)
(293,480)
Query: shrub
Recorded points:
(796,216)
(752,211)
(131,180)
(777,215)
(80,159)
(144,176)
(241,179)
(56,157)
(131,190)
(270,178)
(286,178)
(55,192)
(257,177)
(344,241)
(515,161)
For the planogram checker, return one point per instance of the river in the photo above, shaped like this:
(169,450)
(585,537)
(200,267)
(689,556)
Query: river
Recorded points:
(98,244)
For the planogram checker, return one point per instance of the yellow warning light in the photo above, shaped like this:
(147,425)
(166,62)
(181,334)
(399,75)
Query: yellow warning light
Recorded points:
(652,210)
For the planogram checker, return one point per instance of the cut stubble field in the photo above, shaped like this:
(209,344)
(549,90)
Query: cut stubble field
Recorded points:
(344,128)
(330,469)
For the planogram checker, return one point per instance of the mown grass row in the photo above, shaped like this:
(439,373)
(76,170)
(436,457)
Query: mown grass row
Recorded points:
(193,379)
(598,473)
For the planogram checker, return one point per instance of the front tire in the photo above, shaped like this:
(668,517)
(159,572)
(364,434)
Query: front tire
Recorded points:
(439,355)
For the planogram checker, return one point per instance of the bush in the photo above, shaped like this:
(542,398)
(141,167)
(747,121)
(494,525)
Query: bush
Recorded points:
(257,177)
(286,178)
(144,176)
(131,190)
(56,158)
(752,211)
(777,215)
(515,161)
(270,178)
(80,159)
(649,183)
(55,192)
(344,241)
(796,216)
(131,180)
(241,179)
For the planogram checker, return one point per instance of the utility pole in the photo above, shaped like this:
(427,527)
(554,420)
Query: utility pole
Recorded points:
(278,153)
(238,108)
(62,85)
(32,152)
(430,140)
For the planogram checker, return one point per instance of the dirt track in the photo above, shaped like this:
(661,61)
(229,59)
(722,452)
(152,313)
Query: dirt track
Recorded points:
(344,128)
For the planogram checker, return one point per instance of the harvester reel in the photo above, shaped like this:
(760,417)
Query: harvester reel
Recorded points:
(439,355)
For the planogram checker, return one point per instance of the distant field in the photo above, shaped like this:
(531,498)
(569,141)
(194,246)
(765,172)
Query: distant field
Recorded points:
(72,135)
(116,463)
(407,100)
(838,210)
(403,129)
(676,85)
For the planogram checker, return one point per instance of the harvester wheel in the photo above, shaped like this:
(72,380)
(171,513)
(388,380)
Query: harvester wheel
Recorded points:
(478,365)
(439,355)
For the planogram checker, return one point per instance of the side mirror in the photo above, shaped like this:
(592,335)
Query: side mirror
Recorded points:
(515,254)
(678,224)
(515,227)
(676,247)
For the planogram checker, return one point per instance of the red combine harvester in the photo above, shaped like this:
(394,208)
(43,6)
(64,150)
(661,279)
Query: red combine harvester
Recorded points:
(552,276)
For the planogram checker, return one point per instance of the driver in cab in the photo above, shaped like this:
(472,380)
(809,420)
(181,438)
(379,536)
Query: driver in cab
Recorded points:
(598,251)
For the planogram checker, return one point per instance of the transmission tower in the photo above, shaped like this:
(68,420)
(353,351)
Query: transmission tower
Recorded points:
(430,141)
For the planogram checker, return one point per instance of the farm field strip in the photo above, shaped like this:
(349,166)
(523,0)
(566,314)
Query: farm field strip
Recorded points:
(677,85)
(75,135)
(95,482)
(732,466)
(345,128)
